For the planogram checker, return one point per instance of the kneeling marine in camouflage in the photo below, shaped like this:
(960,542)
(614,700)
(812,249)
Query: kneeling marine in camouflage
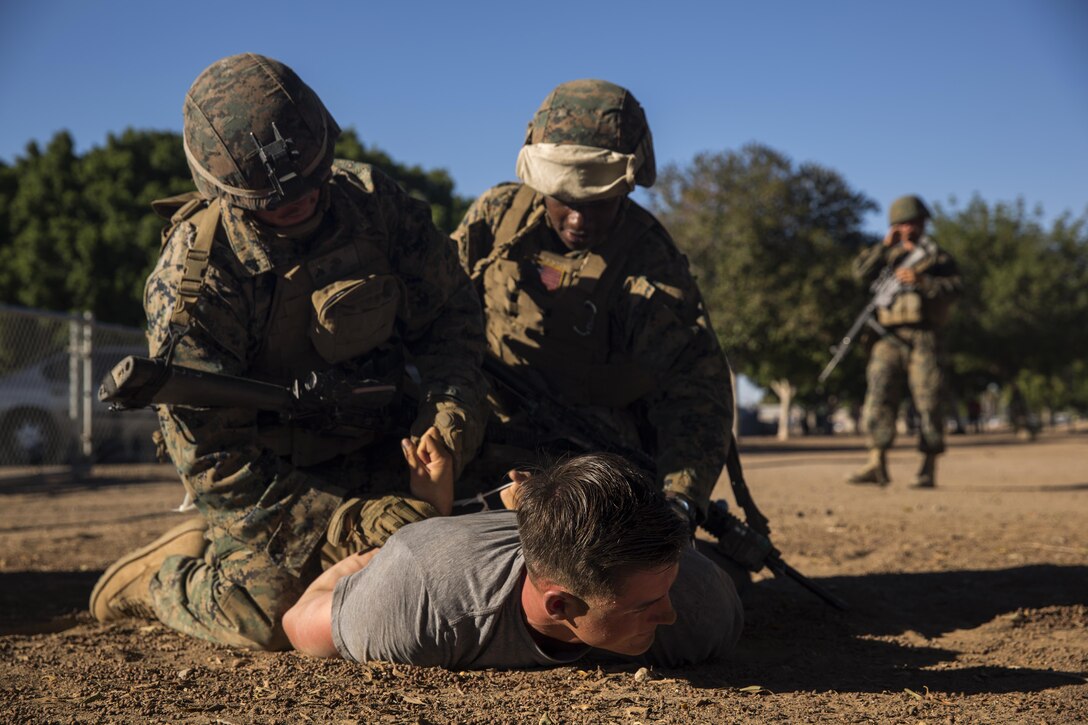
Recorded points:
(587,299)
(286,262)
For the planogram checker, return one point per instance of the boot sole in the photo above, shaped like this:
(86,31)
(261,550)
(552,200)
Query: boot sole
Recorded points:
(183,529)
(863,482)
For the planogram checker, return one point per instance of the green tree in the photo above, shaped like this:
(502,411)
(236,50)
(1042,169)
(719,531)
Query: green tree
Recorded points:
(77,232)
(770,243)
(1025,304)
(434,186)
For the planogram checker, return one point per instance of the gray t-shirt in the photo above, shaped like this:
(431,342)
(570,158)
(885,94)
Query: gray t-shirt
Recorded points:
(447,592)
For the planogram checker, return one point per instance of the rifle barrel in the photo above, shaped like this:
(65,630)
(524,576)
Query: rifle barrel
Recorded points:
(848,339)
(776,565)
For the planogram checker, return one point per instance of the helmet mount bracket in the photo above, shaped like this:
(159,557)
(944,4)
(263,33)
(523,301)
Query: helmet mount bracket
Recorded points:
(278,158)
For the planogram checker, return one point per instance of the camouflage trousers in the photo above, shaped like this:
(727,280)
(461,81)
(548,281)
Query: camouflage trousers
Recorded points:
(894,367)
(236,594)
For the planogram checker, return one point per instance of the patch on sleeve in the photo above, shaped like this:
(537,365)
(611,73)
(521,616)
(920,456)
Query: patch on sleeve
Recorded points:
(644,287)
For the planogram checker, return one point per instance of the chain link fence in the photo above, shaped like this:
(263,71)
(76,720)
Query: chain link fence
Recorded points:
(50,368)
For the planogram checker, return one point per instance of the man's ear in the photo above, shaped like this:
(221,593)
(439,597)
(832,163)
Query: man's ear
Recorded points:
(561,605)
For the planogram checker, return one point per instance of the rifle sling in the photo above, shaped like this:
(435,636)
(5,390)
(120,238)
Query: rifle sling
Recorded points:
(888,334)
(754,517)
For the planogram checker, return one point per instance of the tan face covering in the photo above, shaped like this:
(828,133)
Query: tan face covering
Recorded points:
(577,173)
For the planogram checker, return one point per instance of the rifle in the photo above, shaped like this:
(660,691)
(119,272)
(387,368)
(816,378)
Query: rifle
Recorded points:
(754,551)
(885,288)
(330,402)
(745,543)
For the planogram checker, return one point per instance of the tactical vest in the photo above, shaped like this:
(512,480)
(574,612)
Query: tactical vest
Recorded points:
(339,303)
(910,308)
(551,312)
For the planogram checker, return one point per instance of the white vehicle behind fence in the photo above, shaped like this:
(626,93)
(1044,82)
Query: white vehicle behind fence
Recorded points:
(49,409)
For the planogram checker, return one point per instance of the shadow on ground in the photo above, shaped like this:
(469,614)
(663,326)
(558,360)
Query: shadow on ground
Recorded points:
(39,602)
(795,643)
(904,442)
(55,480)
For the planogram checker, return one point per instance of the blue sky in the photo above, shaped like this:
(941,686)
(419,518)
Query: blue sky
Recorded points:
(945,99)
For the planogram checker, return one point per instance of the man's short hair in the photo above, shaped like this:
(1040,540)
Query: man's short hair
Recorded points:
(587,522)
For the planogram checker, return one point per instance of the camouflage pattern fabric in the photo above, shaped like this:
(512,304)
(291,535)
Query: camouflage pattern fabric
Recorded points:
(891,369)
(243,95)
(938,286)
(655,317)
(918,366)
(267,517)
(596,113)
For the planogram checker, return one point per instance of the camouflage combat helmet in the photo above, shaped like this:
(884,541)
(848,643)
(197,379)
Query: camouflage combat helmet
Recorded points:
(255,134)
(907,208)
(599,114)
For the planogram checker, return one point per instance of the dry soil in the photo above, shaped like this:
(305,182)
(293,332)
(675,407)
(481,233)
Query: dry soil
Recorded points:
(969,603)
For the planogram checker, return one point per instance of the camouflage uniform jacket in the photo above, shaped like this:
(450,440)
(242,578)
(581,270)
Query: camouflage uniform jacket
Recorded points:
(928,304)
(240,486)
(655,319)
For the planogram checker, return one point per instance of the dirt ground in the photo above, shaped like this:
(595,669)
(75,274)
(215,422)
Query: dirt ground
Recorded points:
(969,604)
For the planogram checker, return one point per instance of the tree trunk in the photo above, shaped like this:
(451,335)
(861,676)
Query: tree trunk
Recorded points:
(784,391)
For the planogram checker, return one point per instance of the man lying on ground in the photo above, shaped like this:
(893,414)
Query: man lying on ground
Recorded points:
(593,557)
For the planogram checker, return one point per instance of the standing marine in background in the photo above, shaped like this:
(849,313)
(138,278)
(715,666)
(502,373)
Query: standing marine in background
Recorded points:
(911,352)
(287,262)
(587,298)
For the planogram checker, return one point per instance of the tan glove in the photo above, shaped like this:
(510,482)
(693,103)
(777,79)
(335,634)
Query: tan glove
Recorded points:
(366,523)
(459,429)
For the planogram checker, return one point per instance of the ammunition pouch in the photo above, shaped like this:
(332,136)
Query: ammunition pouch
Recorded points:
(906,309)
(354,316)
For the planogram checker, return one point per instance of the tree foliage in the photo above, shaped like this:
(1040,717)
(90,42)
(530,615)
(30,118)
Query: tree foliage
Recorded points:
(77,232)
(770,242)
(434,186)
(1024,311)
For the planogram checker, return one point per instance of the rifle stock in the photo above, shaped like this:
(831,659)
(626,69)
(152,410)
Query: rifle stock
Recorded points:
(324,401)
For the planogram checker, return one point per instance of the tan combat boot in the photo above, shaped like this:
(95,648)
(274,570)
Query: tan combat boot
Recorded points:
(926,477)
(875,471)
(123,589)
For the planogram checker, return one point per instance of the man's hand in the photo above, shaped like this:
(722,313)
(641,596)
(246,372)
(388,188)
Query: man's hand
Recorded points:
(684,508)
(906,276)
(511,493)
(430,470)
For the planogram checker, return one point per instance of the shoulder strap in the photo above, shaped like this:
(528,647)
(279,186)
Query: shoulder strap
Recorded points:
(515,214)
(195,265)
(176,208)
(515,219)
